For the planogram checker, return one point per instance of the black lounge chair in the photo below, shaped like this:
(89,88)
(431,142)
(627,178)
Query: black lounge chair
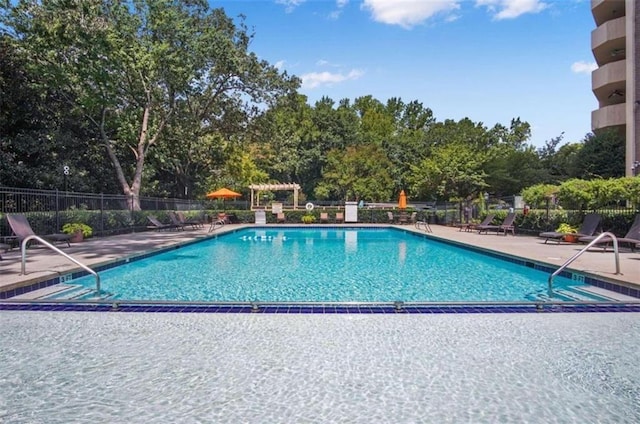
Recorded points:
(175,221)
(631,239)
(22,229)
(157,225)
(507,225)
(4,247)
(194,222)
(470,226)
(590,225)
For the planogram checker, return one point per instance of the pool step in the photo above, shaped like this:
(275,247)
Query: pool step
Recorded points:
(573,294)
(63,292)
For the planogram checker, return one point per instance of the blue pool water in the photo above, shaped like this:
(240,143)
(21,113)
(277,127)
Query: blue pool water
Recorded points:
(330,265)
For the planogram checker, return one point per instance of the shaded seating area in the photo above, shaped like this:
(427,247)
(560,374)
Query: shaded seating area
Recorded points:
(630,240)
(590,225)
(22,229)
(507,225)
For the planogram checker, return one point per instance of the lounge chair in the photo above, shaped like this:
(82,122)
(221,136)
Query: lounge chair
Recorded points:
(194,222)
(631,239)
(157,225)
(4,247)
(280,218)
(175,221)
(589,226)
(339,217)
(324,217)
(507,225)
(470,226)
(22,229)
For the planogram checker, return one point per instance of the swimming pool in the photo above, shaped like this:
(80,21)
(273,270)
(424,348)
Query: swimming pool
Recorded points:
(330,265)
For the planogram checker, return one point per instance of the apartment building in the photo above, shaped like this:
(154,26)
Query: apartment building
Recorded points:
(616,49)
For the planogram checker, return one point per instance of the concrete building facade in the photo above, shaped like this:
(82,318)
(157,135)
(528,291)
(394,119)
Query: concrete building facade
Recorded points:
(615,83)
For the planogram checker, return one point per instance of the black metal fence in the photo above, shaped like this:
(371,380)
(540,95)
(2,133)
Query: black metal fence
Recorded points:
(49,210)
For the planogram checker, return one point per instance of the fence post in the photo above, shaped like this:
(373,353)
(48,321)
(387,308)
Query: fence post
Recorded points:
(57,212)
(102,213)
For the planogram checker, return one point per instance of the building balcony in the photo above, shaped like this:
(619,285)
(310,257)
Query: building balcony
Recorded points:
(608,83)
(608,41)
(608,117)
(605,10)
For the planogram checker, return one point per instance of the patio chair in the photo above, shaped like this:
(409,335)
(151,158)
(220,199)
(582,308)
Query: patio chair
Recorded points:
(4,247)
(280,218)
(470,226)
(22,229)
(324,217)
(157,225)
(175,221)
(631,239)
(339,217)
(391,218)
(590,225)
(194,222)
(507,225)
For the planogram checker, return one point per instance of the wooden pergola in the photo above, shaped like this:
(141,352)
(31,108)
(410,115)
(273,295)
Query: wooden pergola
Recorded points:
(257,188)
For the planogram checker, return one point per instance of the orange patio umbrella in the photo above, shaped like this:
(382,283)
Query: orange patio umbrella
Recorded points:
(223,193)
(402,201)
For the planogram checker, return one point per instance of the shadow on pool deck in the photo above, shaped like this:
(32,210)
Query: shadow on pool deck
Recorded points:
(42,263)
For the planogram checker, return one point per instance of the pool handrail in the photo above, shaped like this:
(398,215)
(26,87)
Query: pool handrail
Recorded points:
(23,248)
(574,257)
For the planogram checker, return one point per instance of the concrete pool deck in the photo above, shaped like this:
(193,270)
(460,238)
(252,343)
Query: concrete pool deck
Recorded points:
(43,264)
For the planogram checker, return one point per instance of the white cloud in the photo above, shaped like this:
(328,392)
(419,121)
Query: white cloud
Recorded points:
(408,13)
(317,79)
(584,67)
(510,9)
(290,4)
(279,64)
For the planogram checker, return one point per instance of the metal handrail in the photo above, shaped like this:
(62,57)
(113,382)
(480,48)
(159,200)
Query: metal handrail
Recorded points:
(55,249)
(574,257)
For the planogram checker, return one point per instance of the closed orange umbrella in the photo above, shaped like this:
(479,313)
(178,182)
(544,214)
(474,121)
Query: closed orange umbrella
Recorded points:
(402,201)
(223,193)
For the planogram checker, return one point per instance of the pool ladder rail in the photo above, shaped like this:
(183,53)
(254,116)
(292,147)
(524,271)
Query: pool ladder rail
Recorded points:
(23,248)
(574,257)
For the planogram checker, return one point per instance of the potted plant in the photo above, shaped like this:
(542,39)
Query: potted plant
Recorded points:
(79,231)
(569,232)
(308,219)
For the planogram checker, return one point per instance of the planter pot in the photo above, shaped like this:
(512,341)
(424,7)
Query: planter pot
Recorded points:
(77,237)
(571,238)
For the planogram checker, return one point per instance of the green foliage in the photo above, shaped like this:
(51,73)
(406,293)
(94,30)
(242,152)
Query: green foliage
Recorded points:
(601,156)
(357,173)
(566,229)
(308,219)
(539,194)
(74,227)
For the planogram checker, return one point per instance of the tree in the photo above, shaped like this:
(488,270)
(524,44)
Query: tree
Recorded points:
(601,156)
(357,173)
(128,66)
(453,171)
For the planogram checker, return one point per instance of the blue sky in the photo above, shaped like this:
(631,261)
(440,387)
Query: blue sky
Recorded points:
(488,60)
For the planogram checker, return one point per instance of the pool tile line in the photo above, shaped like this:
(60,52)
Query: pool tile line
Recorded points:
(322,309)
